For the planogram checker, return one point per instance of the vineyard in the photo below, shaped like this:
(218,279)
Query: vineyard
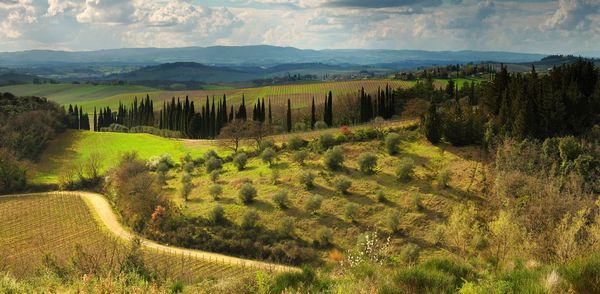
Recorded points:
(59,224)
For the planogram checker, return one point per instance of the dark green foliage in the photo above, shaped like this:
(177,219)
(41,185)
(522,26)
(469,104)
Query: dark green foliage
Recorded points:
(326,141)
(367,163)
(247,193)
(391,143)
(307,179)
(240,160)
(134,261)
(13,176)
(215,191)
(289,116)
(300,156)
(583,274)
(280,198)
(249,219)
(342,184)
(410,253)
(334,158)
(431,124)
(295,143)
(324,236)
(404,172)
(307,279)
(217,214)
(351,210)
(213,164)
(314,203)
(268,155)
(463,127)
(27,124)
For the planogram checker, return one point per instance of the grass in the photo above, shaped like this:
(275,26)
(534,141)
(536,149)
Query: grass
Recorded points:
(415,223)
(54,223)
(74,147)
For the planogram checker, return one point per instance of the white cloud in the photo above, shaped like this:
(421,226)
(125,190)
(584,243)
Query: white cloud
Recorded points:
(107,12)
(14,14)
(57,7)
(572,15)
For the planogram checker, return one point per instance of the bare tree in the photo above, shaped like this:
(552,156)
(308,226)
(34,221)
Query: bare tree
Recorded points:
(93,166)
(234,133)
(258,131)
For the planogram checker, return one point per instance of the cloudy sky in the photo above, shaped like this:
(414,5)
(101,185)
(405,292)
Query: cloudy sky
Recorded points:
(541,26)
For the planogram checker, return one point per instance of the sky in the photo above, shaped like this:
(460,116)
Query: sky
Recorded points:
(537,26)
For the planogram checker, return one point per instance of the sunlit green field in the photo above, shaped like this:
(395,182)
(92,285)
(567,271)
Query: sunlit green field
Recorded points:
(74,147)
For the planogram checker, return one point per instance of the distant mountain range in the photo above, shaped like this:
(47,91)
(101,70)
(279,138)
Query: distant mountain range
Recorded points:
(260,55)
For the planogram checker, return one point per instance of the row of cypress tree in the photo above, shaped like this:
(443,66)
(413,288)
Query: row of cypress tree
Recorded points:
(77,119)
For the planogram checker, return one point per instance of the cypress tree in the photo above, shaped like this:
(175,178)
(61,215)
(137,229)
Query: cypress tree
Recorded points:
(330,109)
(81,122)
(262,111)
(432,124)
(270,115)
(95,120)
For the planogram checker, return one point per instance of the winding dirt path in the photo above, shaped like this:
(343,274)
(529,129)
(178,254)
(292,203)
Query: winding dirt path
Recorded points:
(104,212)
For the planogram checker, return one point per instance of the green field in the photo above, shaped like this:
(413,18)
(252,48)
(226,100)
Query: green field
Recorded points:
(74,147)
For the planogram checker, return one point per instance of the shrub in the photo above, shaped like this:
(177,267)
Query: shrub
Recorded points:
(299,127)
(268,155)
(287,226)
(163,159)
(249,219)
(13,174)
(307,179)
(342,184)
(326,141)
(443,178)
(417,202)
(214,175)
(320,125)
(295,143)
(583,274)
(264,144)
(210,154)
(247,193)
(392,221)
(421,280)
(281,198)
(212,164)
(324,236)
(217,214)
(391,143)
(351,210)
(300,156)
(274,176)
(186,186)
(334,158)
(240,160)
(314,203)
(410,253)
(405,169)
(569,148)
(380,195)
(215,191)
(367,162)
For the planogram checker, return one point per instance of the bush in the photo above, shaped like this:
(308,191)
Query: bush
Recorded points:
(215,191)
(287,226)
(247,193)
(13,174)
(249,219)
(583,274)
(214,175)
(334,158)
(164,159)
(342,184)
(569,148)
(392,221)
(217,214)
(307,179)
(326,141)
(410,253)
(314,203)
(210,154)
(268,155)
(380,195)
(299,127)
(405,169)
(213,164)
(324,236)
(300,156)
(320,125)
(391,143)
(264,144)
(351,210)
(281,198)
(186,186)
(421,280)
(295,143)
(367,163)
(443,178)
(240,160)
(417,202)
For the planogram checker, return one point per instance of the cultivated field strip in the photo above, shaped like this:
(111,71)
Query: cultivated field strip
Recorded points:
(56,223)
